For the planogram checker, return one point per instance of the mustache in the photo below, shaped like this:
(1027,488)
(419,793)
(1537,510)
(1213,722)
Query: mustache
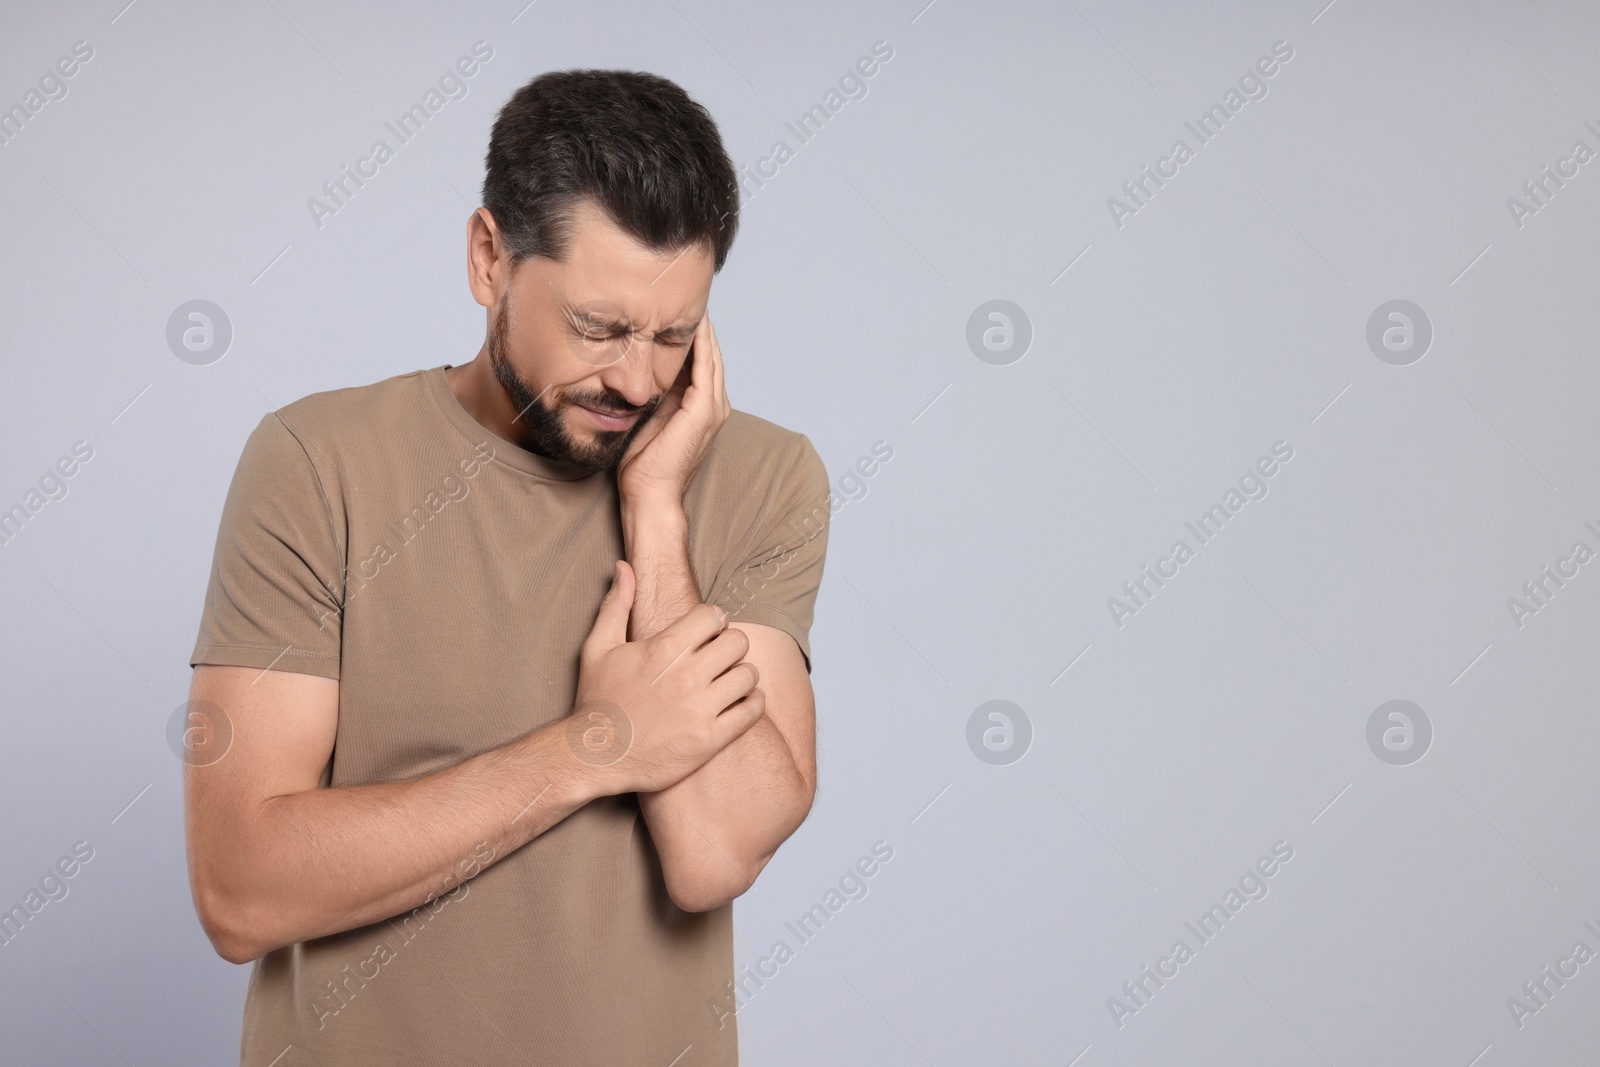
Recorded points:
(613,405)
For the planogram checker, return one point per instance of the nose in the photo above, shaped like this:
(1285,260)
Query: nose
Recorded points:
(633,376)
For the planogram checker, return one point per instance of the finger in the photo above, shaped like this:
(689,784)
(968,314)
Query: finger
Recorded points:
(737,683)
(611,624)
(718,388)
(651,428)
(685,375)
(710,377)
(697,347)
(707,404)
(722,652)
(699,364)
(634,448)
(696,626)
(739,718)
(672,399)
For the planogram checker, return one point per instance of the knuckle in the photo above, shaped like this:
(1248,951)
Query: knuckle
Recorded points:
(659,650)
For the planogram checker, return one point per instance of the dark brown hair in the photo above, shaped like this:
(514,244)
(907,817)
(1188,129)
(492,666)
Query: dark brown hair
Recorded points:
(634,143)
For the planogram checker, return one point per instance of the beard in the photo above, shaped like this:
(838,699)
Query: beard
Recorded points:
(541,428)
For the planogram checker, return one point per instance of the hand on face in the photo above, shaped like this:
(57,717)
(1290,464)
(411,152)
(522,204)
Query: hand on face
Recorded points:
(669,448)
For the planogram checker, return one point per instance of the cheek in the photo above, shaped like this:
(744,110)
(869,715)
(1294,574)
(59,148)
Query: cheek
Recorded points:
(668,364)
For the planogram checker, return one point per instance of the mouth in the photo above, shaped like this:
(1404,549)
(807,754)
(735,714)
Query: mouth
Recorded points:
(608,420)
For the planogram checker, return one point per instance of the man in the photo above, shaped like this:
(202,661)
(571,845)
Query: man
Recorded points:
(457,807)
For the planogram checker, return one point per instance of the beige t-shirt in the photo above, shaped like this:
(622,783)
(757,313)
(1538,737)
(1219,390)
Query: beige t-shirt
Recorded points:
(380,536)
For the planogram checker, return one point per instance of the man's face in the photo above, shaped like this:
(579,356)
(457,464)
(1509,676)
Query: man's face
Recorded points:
(586,348)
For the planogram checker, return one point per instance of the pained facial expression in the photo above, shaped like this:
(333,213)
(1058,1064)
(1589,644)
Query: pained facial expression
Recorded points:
(586,348)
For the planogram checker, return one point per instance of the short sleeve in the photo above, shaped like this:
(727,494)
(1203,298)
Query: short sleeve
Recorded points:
(276,572)
(777,584)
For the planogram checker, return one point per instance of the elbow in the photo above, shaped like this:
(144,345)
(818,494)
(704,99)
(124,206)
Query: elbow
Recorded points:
(236,951)
(703,890)
(228,940)
(725,872)
(226,925)
(720,876)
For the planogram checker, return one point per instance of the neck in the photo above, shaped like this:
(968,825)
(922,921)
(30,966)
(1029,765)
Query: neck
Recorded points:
(480,393)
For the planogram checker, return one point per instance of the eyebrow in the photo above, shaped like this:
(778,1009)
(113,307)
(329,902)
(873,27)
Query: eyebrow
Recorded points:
(680,329)
(676,331)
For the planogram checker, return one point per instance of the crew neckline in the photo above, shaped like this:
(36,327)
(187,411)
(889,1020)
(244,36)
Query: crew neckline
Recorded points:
(508,452)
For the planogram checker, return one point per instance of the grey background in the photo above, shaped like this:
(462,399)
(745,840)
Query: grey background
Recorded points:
(1229,313)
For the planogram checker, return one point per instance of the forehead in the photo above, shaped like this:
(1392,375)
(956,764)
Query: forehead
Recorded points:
(603,264)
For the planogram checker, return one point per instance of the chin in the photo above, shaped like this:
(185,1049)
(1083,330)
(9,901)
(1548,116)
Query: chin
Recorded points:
(595,449)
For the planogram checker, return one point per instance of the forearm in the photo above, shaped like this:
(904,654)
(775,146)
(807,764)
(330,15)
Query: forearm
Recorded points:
(318,862)
(655,540)
(716,828)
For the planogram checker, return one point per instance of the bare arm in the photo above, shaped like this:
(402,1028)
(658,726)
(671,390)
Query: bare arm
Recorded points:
(274,859)
(718,827)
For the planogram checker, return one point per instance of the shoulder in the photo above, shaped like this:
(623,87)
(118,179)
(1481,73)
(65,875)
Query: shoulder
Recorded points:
(746,430)
(765,456)
(761,485)
(337,417)
(312,448)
